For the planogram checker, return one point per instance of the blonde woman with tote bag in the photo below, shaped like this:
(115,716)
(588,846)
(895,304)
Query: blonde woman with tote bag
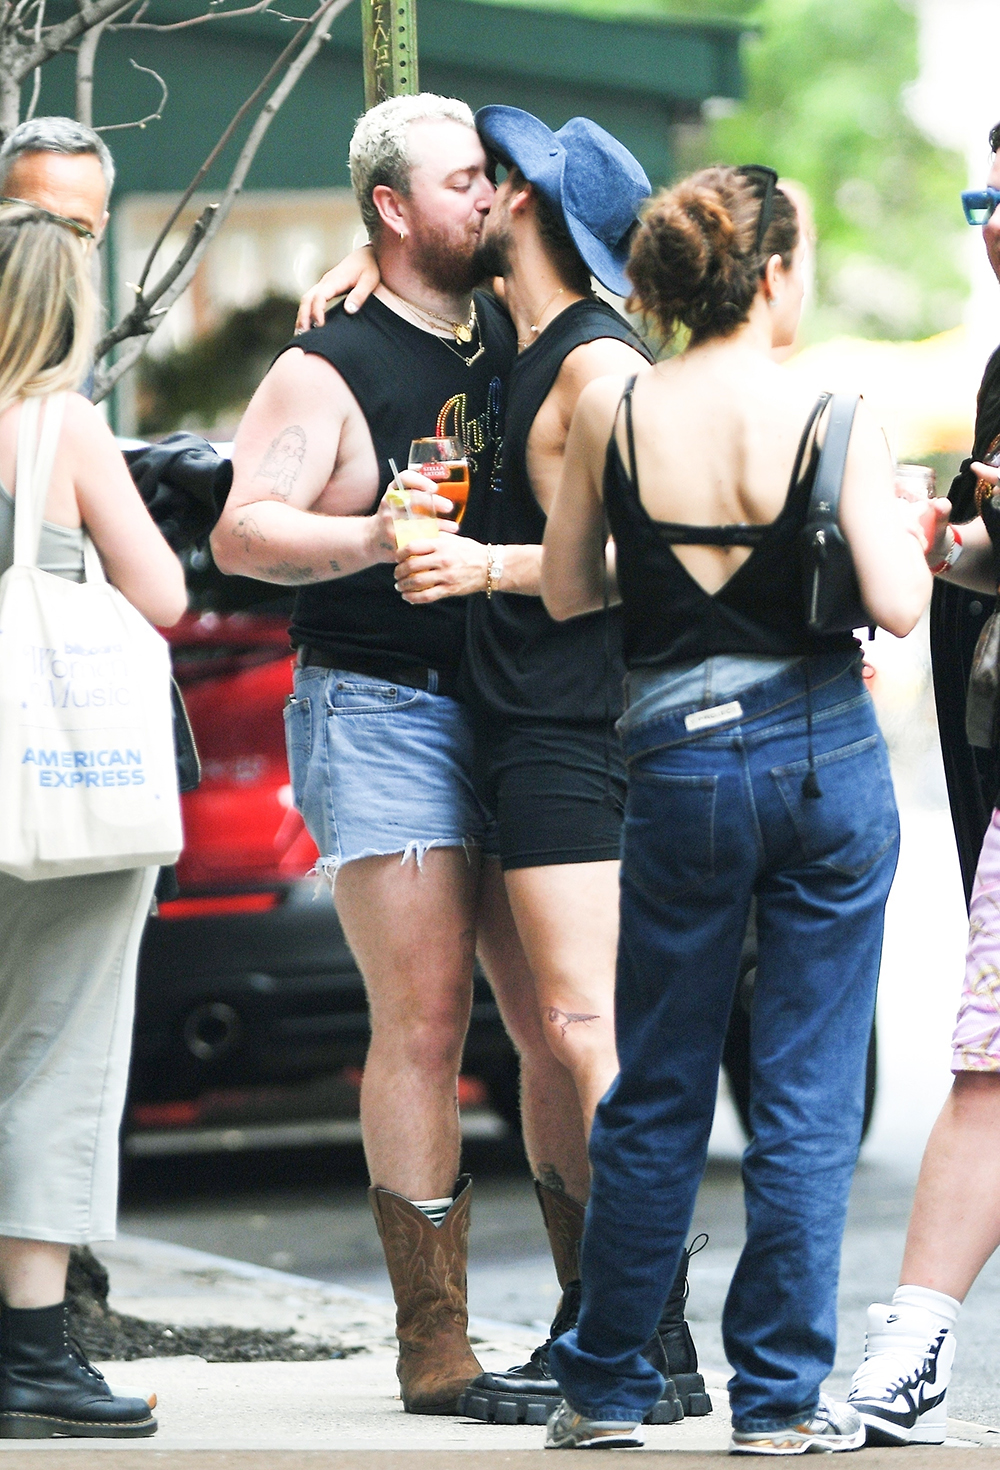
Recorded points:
(68,945)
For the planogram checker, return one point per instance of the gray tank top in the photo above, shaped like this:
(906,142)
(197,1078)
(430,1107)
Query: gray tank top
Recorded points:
(60,548)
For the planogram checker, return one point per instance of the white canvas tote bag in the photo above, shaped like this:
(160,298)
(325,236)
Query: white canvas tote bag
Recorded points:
(87,775)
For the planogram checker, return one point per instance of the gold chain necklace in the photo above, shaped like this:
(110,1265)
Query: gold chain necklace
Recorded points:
(536,327)
(463,332)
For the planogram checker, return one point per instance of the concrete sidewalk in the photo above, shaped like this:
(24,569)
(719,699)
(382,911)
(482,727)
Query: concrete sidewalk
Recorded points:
(340,1413)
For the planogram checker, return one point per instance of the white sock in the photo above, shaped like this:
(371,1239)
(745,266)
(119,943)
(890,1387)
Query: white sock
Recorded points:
(945,1308)
(436,1209)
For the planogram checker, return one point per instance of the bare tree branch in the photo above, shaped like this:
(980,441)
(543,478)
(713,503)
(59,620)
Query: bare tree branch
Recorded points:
(241,113)
(143,317)
(150,116)
(36,81)
(85,56)
(20,60)
(166,291)
(195,20)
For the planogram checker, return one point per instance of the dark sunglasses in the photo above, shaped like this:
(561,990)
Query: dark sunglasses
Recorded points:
(57,219)
(760,173)
(979,204)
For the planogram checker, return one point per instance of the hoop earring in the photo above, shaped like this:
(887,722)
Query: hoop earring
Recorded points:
(402,237)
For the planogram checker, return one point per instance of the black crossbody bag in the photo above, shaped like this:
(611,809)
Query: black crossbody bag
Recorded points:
(829,580)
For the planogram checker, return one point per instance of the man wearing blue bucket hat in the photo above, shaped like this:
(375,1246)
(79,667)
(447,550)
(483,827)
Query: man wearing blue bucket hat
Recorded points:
(544,695)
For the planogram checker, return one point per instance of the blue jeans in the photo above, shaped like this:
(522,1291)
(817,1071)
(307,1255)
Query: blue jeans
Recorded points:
(714,816)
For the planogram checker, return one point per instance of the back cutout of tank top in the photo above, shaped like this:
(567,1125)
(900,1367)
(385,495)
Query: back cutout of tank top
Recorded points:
(668,616)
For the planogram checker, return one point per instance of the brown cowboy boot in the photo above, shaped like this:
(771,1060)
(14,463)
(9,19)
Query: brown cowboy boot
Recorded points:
(528,1394)
(427,1269)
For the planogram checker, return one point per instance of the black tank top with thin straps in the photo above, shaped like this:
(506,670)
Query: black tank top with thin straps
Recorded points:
(520,663)
(668,616)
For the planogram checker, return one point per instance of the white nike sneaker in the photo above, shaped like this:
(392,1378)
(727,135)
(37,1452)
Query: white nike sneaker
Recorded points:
(901,1387)
(568,1430)
(833,1427)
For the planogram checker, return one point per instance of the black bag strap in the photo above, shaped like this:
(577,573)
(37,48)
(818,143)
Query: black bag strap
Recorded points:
(824,500)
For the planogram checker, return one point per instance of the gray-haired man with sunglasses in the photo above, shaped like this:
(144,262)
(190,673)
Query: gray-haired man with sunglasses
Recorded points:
(63,167)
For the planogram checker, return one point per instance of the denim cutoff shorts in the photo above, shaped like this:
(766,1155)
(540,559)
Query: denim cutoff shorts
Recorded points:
(379,768)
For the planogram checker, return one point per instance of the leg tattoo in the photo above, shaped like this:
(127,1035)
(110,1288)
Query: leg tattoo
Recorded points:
(567,1018)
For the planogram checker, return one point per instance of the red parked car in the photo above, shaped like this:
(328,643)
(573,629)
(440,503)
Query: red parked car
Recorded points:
(250,1007)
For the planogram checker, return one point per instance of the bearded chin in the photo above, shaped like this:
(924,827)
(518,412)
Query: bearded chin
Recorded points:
(492,257)
(444,267)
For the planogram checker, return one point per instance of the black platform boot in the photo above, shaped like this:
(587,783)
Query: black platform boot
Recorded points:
(528,1394)
(48,1389)
(678,1344)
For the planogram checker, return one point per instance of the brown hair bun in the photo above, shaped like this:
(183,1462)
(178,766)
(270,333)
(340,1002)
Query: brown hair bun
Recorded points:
(693,261)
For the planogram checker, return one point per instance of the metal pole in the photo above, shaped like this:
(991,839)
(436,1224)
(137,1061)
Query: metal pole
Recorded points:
(390,47)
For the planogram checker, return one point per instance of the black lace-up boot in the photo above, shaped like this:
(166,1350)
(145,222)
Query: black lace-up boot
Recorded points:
(48,1389)
(678,1344)
(528,1394)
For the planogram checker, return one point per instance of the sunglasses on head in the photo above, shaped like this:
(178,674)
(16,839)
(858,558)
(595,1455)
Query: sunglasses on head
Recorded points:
(57,219)
(760,173)
(979,204)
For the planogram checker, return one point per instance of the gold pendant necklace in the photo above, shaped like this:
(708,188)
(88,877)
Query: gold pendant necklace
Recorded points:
(462,330)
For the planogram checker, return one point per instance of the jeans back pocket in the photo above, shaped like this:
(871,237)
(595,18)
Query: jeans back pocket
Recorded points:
(854,821)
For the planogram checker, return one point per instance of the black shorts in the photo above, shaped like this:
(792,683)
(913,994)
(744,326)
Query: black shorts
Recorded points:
(556,792)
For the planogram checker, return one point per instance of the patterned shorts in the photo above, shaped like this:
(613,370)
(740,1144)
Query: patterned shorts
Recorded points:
(976,1042)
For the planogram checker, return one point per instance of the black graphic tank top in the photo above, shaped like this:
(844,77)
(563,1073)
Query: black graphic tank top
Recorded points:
(409,385)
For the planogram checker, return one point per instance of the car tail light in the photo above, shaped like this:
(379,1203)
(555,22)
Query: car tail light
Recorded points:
(227,903)
(240,826)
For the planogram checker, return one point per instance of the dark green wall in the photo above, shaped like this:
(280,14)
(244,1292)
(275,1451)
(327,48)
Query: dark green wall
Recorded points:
(633,78)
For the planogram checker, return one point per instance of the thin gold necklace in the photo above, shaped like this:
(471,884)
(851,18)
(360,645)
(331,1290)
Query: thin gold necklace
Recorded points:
(468,331)
(462,330)
(536,327)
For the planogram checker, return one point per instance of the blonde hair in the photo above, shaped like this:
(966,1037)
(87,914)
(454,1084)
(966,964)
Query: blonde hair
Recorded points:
(47,305)
(379,152)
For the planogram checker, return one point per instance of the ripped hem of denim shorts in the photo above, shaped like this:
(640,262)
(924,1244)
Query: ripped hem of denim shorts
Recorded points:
(417,847)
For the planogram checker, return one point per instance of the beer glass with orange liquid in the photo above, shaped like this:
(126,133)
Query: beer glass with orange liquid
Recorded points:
(444,461)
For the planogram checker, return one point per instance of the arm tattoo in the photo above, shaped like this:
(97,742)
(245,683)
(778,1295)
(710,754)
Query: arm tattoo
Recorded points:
(248,531)
(562,1019)
(283,461)
(288,571)
(335,566)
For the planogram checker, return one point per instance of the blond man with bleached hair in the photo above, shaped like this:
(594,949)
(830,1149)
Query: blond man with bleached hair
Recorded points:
(380,747)
(380,148)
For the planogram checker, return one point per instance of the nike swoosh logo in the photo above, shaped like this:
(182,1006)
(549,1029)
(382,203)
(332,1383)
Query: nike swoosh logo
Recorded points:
(904,1420)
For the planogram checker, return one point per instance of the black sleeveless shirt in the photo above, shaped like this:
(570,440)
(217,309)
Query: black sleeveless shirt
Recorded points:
(668,617)
(519,662)
(409,385)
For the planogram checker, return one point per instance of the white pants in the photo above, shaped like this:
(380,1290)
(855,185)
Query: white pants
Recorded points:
(68,954)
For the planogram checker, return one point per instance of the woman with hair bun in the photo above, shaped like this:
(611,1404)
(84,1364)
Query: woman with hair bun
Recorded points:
(756,771)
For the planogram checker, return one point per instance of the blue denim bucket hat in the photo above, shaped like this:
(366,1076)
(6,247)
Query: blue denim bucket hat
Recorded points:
(585,173)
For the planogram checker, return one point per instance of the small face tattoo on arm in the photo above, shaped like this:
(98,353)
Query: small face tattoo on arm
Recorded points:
(563,1019)
(283,461)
